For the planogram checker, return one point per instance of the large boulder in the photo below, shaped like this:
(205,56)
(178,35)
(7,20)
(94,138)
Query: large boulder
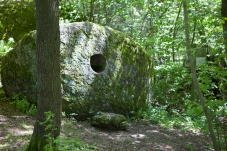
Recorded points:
(101,70)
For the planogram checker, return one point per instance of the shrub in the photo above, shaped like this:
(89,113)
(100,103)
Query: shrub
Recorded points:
(24,106)
(16,18)
(172,86)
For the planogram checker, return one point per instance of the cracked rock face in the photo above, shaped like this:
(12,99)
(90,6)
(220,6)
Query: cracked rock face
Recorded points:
(101,70)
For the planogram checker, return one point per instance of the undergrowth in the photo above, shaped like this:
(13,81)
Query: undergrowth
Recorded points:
(61,143)
(24,106)
(159,115)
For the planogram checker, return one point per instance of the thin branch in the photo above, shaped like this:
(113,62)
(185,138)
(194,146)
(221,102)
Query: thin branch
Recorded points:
(163,13)
(193,36)
(175,31)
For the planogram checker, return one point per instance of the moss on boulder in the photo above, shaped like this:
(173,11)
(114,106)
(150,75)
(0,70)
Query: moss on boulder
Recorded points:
(109,121)
(101,70)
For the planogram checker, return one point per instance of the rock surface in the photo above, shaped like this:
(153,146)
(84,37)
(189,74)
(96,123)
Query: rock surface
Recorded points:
(101,70)
(109,121)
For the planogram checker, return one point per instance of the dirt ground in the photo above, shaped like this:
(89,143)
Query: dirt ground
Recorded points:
(16,129)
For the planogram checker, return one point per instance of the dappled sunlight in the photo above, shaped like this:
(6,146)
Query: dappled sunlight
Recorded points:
(28,126)
(5,145)
(136,142)
(157,132)
(138,136)
(20,132)
(152,131)
(164,147)
(180,135)
(15,131)
(3,119)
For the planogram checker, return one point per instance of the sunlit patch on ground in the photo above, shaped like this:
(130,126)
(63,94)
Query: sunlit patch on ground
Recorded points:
(15,131)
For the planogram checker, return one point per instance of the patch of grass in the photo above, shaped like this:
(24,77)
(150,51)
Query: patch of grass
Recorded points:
(21,104)
(76,145)
(155,115)
(67,123)
(22,124)
(63,144)
(189,147)
(2,146)
(10,137)
(159,115)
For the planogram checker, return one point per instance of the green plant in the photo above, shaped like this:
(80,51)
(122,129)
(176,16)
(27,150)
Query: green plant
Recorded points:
(172,87)
(48,124)
(2,92)
(32,110)
(189,147)
(61,143)
(10,136)
(21,104)
(24,106)
(153,114)
(17,18)
(3,96)
(75,144)
(6,46)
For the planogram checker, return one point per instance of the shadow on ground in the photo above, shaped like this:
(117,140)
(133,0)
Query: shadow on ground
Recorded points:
(16,129)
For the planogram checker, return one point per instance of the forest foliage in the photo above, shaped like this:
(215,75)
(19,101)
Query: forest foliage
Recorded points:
(159,27)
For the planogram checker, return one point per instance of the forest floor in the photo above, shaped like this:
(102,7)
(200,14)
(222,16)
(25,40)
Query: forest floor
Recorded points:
(16,129)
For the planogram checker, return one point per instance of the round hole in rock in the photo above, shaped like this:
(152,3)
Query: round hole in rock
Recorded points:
(98,63)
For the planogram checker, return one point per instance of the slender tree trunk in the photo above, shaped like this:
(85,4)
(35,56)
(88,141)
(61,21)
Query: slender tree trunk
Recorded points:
(48,73)
(195,80)
(175,33)
(224,25)
(92,11)
(224,15)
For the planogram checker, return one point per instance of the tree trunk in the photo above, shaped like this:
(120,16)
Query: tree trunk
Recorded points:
(91,11)
(195,80)
(224,15)
(175,33)
(48,74)
(224,25)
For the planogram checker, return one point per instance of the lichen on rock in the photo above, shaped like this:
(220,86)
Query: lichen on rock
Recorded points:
(101,70)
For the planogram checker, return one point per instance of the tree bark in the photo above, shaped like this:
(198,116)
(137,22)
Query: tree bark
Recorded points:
(91,11)
(224,15)
(195,79)
(175,32)
(48,74)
